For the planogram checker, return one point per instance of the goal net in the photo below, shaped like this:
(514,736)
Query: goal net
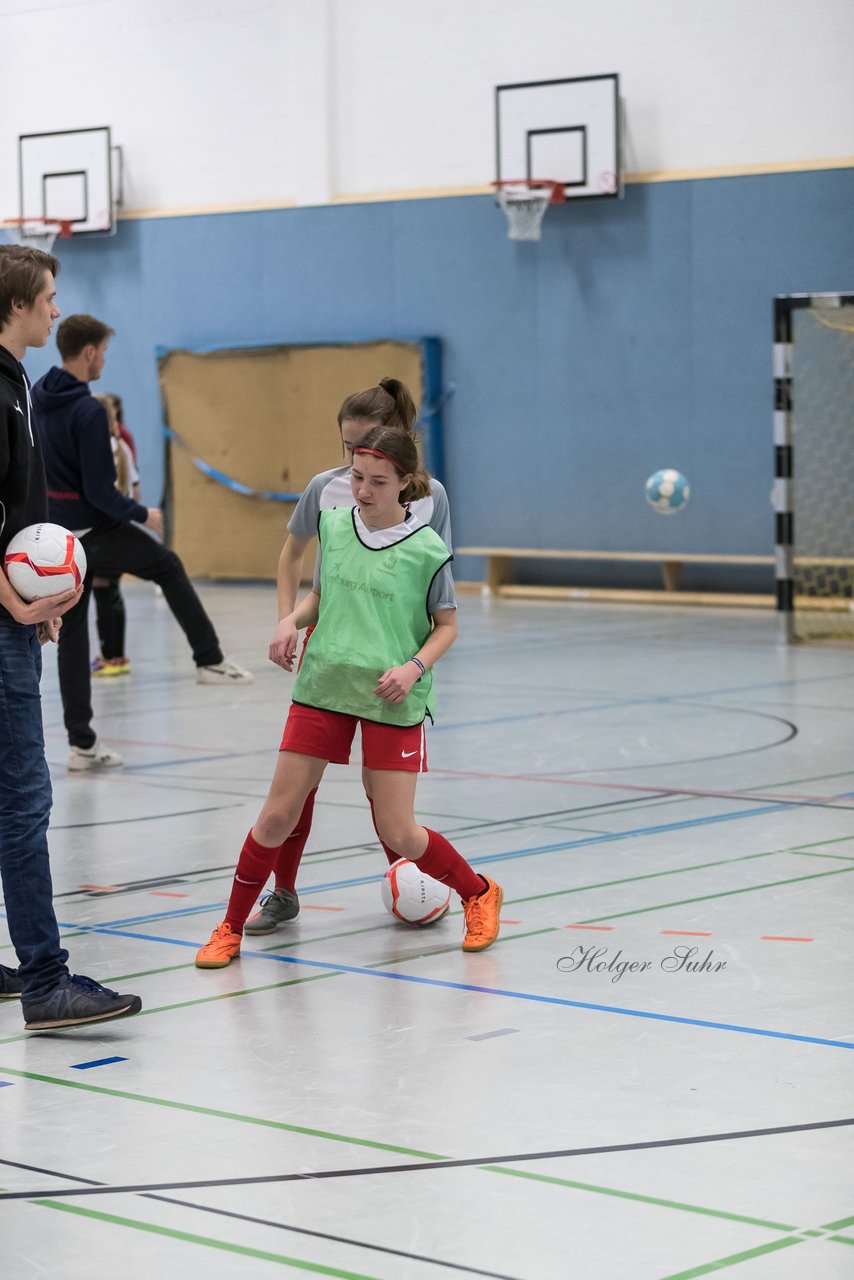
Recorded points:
(814,488)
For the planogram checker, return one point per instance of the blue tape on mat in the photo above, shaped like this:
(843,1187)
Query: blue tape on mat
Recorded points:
(226,481)
(97,1062)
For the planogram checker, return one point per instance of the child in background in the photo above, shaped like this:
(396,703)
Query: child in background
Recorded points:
(109,602)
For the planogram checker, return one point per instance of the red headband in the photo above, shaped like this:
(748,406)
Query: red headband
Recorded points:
(377,454)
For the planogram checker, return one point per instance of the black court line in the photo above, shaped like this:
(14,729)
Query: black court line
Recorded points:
(147,817)
(281,1226)
(418,1167)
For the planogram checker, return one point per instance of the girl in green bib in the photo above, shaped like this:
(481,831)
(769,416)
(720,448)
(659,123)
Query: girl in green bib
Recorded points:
(383,614)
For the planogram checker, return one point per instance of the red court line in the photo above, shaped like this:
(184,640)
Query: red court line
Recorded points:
(687,933)
(596,928)
(101,888)
(157,893)
(310,906)
(772,937)
(509,921)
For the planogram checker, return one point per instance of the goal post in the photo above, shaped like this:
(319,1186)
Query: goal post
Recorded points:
(813,495)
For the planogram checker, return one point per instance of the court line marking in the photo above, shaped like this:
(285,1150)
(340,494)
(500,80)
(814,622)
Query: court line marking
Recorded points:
(506,994)
(733,1258)
(345,852)
(513,1172)
(116,925)
(244,1251)
(282,1226)
(377,877)
(96,1062)
(491,1164)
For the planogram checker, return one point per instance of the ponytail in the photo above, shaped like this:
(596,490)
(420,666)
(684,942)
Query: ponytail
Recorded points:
(388,404)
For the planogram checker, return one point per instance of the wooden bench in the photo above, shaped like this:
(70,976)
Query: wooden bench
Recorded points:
(500,566)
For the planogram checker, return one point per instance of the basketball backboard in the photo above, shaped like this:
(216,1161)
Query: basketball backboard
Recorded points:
(69,175)
(565,130)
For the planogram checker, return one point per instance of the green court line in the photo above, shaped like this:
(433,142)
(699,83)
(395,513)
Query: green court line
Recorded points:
(556,893)
(216,1114)
(637,1198)
(733,1258)
(837,857)
(231,995)
(707,897)
(396,1150)
(837,1226)
(244,1251)
(149,973)
(840,1239)
(649,875)
(223,995)
(747,857)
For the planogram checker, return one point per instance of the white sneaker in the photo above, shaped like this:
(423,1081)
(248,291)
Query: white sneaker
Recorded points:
(225,672)
(94,757)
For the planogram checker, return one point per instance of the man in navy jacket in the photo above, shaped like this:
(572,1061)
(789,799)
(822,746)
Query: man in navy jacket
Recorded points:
(81,480)
(51,996)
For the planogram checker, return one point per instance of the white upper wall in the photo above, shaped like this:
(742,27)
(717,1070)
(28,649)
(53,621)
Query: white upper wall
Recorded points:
(244,102)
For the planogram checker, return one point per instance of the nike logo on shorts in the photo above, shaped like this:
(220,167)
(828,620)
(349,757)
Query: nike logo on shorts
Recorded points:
(407,754)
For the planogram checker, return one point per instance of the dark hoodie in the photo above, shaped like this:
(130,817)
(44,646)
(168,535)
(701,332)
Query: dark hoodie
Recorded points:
(78,456)
(23,499)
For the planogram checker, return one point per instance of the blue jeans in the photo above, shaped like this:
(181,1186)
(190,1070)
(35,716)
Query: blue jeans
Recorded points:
(25,800)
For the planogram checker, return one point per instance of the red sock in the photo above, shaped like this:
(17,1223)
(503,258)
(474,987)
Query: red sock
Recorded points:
(441,861)
(253,867)
(290,853)
(389,853)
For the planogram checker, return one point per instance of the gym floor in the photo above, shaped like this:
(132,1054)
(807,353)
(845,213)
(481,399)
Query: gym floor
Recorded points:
(649,1065)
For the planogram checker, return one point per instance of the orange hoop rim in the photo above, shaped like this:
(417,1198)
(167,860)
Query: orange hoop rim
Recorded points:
(60,227)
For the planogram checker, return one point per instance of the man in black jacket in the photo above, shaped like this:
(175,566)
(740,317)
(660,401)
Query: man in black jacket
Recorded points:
(81,480)
(51,996)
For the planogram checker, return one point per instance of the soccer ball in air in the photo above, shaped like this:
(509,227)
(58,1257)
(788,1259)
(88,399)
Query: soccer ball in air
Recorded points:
(44,560)
(412,896)
(667,491)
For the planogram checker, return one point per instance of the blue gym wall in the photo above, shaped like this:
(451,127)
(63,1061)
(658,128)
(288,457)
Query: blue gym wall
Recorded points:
(634,335)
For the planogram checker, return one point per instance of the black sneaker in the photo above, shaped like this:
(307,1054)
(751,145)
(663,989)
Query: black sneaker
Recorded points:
(10,984)
(276,908)
(76,1000)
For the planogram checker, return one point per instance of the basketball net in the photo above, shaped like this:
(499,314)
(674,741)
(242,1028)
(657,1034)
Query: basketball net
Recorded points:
(35,233)
(524,202)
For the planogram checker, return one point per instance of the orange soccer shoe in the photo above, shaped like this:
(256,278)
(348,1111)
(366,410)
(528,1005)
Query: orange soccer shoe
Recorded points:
(221,950)
(481,913)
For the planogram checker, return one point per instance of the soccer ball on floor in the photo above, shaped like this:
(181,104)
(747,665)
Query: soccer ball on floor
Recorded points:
(667,491)
(44,560)
(412,896)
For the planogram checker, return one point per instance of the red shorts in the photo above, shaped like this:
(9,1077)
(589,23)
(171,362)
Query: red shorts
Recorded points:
(328,735)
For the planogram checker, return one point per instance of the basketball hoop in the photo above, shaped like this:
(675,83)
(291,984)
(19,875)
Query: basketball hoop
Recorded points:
(524,201)
(36,233)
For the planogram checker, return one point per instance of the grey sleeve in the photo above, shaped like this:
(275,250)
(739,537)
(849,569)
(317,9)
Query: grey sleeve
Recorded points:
(441,518)
(442,594)
(303,522)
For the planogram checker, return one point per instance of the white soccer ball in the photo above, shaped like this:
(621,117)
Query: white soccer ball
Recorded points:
(44,560)
(412,896)
(667,491)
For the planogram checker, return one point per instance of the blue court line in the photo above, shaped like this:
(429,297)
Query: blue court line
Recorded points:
(444,985)
(97,1062)
(486,860)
